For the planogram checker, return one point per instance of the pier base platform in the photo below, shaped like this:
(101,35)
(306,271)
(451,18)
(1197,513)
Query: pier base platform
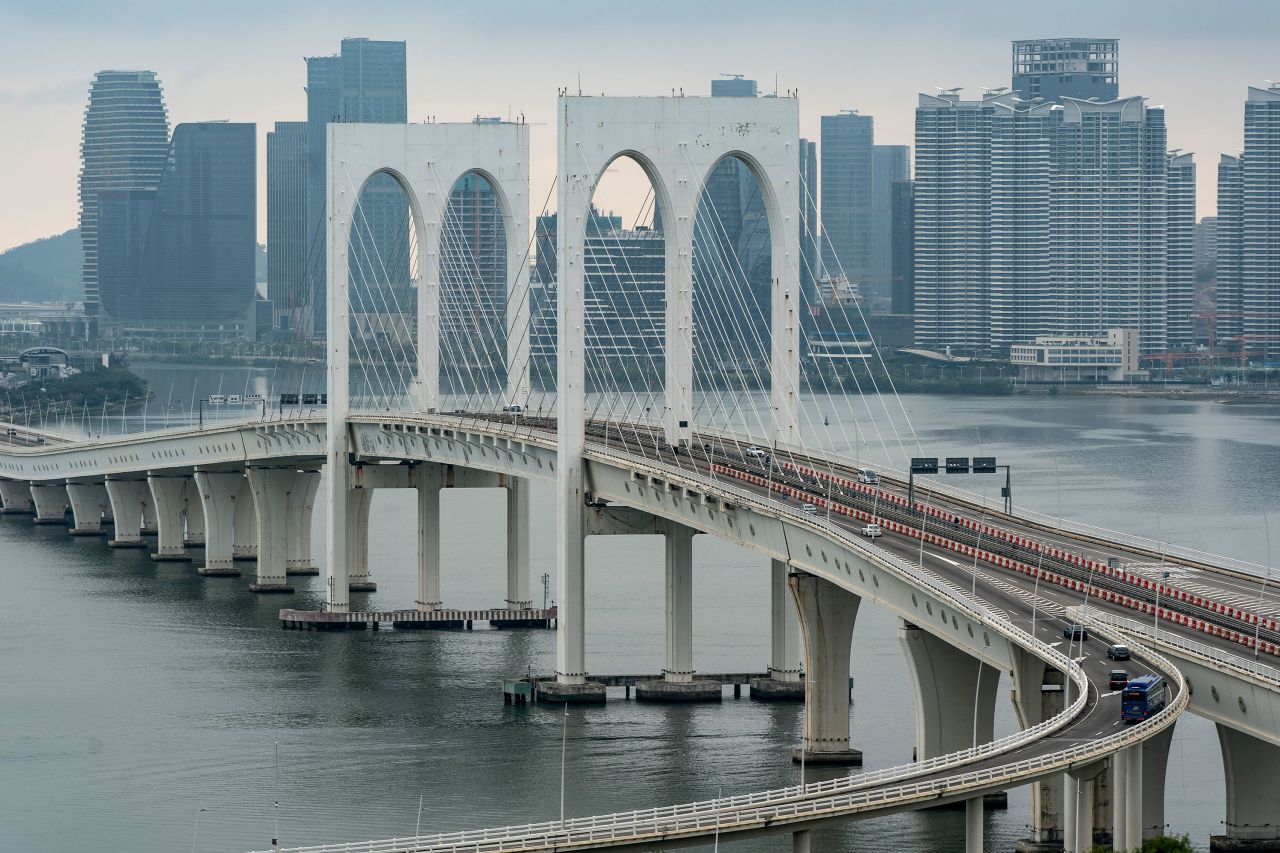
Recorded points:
(679,691)
(171,558)
(773,690)
(270,588)
(76,531)
(302,571)
(218,572)
(1026,845)
(362,586)
(840,758)
(554,692)
(126,543)
(1226,844)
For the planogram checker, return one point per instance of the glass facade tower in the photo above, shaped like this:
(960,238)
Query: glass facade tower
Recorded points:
(126,141)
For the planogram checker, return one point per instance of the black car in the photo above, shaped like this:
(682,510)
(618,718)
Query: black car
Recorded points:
(1118,652)
(1076,632)
(1117,679)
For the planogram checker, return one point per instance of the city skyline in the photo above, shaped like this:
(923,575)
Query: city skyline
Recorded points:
(229,72)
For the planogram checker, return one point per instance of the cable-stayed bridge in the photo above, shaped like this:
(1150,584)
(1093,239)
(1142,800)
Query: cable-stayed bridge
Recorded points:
(710,431)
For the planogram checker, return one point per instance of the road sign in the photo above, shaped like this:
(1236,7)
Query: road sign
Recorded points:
(234,400)
(288,399)
(924,465)
(217,399)
(957,464)
(984,464)
(310,399)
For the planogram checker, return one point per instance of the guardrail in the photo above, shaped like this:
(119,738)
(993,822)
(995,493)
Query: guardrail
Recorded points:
(1130,627)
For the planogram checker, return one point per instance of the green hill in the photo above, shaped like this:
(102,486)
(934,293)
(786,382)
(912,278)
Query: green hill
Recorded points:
(47,270)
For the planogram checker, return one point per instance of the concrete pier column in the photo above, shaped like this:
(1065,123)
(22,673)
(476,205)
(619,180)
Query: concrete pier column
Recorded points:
(270,487)
(973,825)
(1118,773)
(518,534)
(1131,834)
(1038,696)
(244,542)
(219,492)
(193,515)
(430,480)
(89,507)
(827,615)
(1155,764)
(16,497)
(302,499)
(150,524)
(678,684)
(358,502)
(800,841)
(955,694)
(128,497)
(784,681)
(51,503)
(1084,790)
(166,497)
(571,683)
(1253,792)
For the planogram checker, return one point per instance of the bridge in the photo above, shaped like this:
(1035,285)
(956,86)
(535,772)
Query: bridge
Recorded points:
(978,591)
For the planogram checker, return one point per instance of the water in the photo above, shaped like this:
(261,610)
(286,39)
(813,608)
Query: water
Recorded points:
(137,693)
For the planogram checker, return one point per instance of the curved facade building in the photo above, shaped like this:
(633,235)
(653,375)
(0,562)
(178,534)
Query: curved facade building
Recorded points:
(125,144)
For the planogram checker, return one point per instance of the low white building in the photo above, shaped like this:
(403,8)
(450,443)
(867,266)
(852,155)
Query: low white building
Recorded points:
(1059,358)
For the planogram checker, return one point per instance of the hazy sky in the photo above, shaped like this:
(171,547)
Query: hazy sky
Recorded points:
(243,61)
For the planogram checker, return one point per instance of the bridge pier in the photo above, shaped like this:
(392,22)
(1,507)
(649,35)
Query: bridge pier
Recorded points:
(1037,696)
(166,496)
(571,683)
(785,681)
(518,533)
(150,524)
(15,495)
(51,503)
(801,841)
(1253,793)
(90,506)
(127,499)
(974,817)
(193,515)
(1126,798)
(270,487)
(219,493)
(827,615)
(244,528)
(955,694)
(678,684)
(359,501)
(430,480)
(302,498)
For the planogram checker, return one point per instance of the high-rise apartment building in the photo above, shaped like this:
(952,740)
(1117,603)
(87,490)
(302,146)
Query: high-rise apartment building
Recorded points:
(1181,276)
(890,164)
(1248,232)
(287,232)
(180,258)
(847,164)
(365,82)
(1058,68)
(1036,219)
(902,242)
(810,259)
(125,143)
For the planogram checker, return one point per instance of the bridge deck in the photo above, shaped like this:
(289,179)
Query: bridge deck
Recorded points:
(322,619)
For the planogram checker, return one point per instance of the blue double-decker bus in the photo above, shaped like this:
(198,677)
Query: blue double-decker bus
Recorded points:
(1143,697)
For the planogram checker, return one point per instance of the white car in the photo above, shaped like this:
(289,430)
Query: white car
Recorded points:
(872,531)
(754,452)
(869,477)
(808,509)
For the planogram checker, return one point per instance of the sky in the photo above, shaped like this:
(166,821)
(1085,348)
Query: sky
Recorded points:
(242,61)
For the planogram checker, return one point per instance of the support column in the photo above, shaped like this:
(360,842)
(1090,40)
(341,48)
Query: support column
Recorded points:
(955,694)
(800,841)
(677,225)
(430,481)
(219,493)
(302,498)
(571,684)
(16,497)
(1038,696)
(166,497)
(244,542)
(270,487)
(50,500)
(89,506)
(150,524)
(827,615)
(1118,773)
(193,514)
(1155,763)
(1131,837)
(785,680)
(1084,815)
(678,684)
(1253,792)
(518,534)
(128,497)
(973,825)
(358,504)
(1070,803)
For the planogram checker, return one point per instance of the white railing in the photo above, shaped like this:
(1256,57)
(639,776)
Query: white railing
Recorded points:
(1246,666)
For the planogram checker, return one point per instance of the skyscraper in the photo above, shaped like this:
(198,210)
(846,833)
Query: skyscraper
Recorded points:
(180,258)
(1248,271)
(809,255)
(890,164)
(287,231)
(365,82)
(902,242)
(847,143)
(1038,218)
(1058,68)
(126,140)
(1181,252)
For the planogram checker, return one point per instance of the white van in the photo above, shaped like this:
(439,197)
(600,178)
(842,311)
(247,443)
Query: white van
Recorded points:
(872,531)
(866,475)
